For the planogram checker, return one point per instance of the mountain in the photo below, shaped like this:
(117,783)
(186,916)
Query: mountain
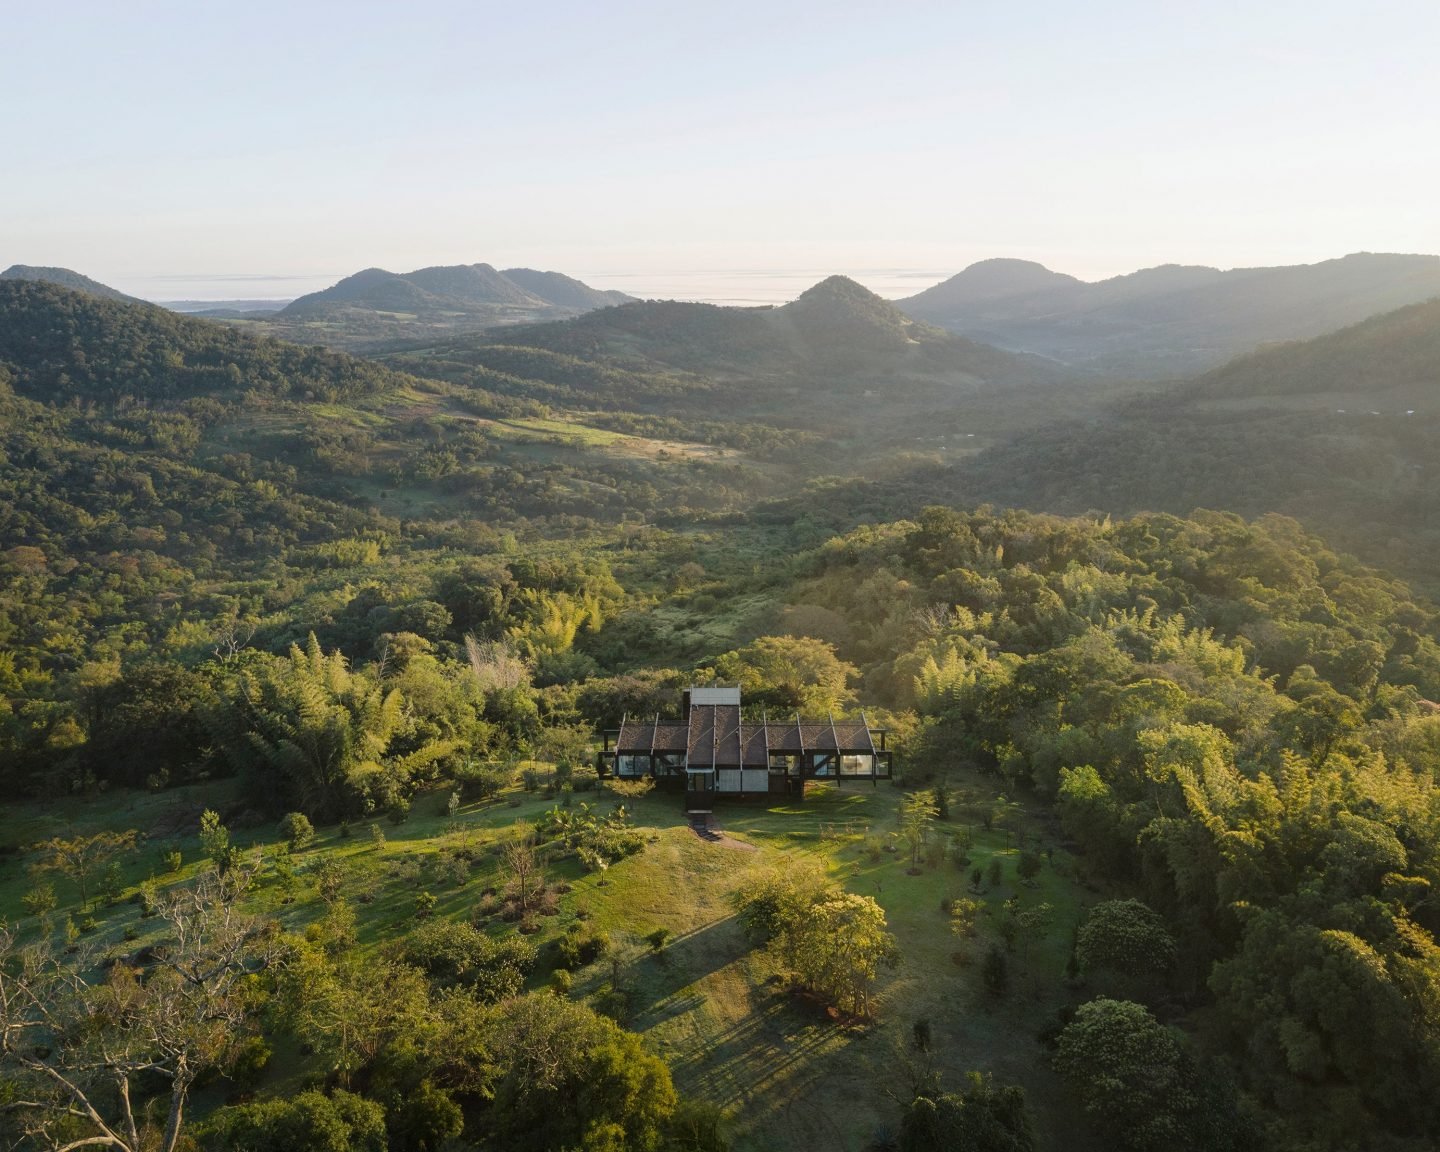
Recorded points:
(837,329)
(375,307)
(839,313)
(986,282)
(63,345)
(473,284)
(1341,432)
(1172,320)
(372,288)
(65,278)
(564,291)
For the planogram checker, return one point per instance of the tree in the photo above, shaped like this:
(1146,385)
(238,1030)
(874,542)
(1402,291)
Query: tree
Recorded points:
(215,839)
(830,941)
(792,673)
(980,1118)
(1131,1073)
(81,857)
(524,869)
(1125,936)
(568,1077)
(309,1122)
(917,815)
(77,1052)
(318,735)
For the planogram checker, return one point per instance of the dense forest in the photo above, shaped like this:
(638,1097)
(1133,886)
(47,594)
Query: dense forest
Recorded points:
(304,660)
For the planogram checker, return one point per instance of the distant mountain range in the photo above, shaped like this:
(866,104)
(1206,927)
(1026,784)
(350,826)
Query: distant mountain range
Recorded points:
(1342,432)
(1171,321)
(65,278)
(837,328)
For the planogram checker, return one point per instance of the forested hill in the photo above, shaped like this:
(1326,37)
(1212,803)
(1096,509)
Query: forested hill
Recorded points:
(1342,431)
(1171,321)
(1389,357)
(836,328)
(375,306)
(65,278)
(64,345)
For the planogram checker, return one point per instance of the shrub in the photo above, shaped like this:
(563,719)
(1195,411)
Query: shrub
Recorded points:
(580,946)
(40,900)
(296,828)
(456,953)
(399,810)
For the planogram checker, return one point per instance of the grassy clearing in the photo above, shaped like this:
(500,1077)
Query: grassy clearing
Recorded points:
(790,1076)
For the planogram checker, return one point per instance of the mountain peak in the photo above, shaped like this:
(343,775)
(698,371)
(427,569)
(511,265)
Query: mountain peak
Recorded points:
(839,309)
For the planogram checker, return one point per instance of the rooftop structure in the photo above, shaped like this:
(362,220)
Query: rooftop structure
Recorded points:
(713,751)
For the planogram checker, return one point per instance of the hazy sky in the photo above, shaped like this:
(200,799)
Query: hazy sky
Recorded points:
(312,139)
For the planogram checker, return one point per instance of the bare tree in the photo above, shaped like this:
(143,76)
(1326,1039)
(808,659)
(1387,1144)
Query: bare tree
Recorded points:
(74,1048)
(495,664)
(526,880)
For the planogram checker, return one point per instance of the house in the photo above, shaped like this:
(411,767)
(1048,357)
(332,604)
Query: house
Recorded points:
(714,752)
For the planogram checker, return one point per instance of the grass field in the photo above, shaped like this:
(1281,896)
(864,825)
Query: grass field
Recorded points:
(788,1074)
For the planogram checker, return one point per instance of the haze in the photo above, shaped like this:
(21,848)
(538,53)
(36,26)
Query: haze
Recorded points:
(277,140)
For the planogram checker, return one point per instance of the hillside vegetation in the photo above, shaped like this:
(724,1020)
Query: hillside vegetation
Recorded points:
(1341,431)
(304,661)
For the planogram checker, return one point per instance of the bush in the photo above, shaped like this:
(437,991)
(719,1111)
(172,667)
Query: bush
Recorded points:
(580,946)
(455,953)
(297,829)
(399,810)
(309,1122)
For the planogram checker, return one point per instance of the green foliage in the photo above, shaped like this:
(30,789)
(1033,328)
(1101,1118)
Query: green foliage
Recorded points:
(794,674)
(1126,936)
(830,941)
(455,953)
(79,858)
(981,1118)
(307,1122)
(580,945)
(569,1078)
(215,841)
(297,830)
(1132,1075)
(310,730)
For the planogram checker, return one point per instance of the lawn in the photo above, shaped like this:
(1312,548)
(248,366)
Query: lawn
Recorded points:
(788,1074)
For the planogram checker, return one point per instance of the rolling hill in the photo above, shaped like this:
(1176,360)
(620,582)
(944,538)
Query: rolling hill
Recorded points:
(1170,321)
(65,278)
(375,306)
(1342,432)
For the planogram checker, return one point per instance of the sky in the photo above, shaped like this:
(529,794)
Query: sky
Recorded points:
(157,146)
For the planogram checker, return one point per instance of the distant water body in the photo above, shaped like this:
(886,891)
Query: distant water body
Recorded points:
(744,288)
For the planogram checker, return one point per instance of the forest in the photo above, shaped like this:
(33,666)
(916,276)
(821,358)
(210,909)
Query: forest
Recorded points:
(305,659)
